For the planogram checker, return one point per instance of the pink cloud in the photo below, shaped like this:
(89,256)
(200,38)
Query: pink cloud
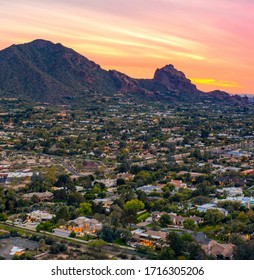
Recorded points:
(205,39)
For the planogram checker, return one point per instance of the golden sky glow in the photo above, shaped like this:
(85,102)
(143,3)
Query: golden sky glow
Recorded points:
(210,41)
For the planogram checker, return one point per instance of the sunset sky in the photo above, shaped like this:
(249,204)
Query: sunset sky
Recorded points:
(212,42)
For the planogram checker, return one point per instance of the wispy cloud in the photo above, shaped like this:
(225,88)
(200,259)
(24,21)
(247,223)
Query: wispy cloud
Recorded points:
(202,38)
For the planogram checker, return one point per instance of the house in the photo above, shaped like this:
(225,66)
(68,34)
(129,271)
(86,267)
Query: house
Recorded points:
(39,216)
(84,225)
(223,180)
(238,154)
(197,220)
(193,175)
(219,251)
(106,202)
(5,166)
(126,176)
(148,237)
(247,172)
(244,200)
(109,183)
(178,184)
(149,189)
(43,196)
(175,219)
(232,191)
(79,188)
(8,177)
(203,208)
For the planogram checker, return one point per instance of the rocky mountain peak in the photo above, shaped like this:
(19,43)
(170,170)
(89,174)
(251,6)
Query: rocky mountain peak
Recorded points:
(173,79)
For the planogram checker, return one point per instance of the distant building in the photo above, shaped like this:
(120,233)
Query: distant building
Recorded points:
(246,201)
(232,191)
(8,176)
(106,202)
(43,196)
(177,220)
(84,225)
(148,237)
(192,174)
(39,216)
(178,184)
(109,183)
(247,172)
(218,250)
(149,189)
(203,208)
(20,174)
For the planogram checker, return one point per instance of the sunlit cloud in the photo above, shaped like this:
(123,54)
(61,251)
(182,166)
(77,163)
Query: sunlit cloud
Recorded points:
(217,83)
(201,38)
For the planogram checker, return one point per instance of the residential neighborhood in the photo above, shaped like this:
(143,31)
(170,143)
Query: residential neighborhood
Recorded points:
(139,178)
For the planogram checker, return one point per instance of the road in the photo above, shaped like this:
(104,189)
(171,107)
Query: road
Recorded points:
(73,240)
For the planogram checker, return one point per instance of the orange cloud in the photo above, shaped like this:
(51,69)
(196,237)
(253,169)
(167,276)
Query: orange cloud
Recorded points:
(201,38)
(217,83)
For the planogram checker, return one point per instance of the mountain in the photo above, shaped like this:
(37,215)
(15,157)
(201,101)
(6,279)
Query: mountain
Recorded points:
(43,71)
(227,98)
(47,72)
(171,78)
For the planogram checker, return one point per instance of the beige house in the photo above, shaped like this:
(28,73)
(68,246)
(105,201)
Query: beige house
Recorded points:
(84,225)
(219,251)
(39,216)
(178,184)
(44,196)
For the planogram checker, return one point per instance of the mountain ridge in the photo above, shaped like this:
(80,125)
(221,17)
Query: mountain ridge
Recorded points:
(46,72)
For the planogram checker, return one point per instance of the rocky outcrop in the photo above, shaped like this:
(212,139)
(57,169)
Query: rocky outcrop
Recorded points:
(173,79)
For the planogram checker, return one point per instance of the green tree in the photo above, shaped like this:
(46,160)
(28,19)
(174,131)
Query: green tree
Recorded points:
(74,198)
(116,215)
(85,208)
(134,205)
(63,213)
(236,239)
(97,244)
(72,234)
(65,181)
(107,233)
(166,253)
(131,208)
(176,243)
(199,200)
(165,220)
(194,251)
(214,216)
(250,215)
(242,217)
(57,248)
(244,251)
(190,224)
(3,217)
